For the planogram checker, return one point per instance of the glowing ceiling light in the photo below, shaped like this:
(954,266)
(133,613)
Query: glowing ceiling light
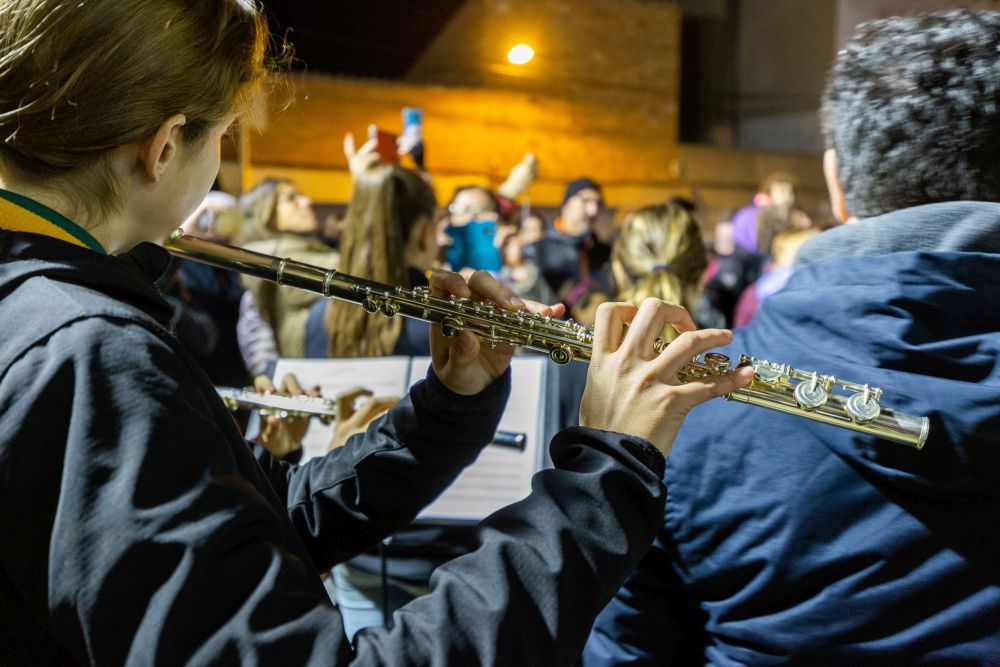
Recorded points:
(520,54)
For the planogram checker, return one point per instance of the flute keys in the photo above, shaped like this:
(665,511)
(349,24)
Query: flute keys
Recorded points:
(451,327)
(769,373)
(810,395)
(718,363)
(562,355)
(862,407)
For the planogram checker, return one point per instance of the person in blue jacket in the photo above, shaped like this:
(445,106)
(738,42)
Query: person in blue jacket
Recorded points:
(139,527)
(787,541)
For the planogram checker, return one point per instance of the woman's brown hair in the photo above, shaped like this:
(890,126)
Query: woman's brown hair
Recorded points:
(659,253)
(78,79)
(386,204)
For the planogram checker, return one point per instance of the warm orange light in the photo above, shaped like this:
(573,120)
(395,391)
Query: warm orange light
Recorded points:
(520,54)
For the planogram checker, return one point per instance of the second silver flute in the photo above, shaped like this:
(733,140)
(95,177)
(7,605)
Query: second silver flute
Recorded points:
(775,386)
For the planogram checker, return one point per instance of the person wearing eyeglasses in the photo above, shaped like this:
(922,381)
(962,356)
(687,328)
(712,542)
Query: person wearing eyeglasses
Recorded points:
(473,224)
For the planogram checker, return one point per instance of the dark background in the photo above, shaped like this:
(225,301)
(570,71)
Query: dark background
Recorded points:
(385,38)
(363,38)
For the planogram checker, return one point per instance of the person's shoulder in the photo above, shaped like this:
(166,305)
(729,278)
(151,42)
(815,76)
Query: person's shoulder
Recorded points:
(69,320)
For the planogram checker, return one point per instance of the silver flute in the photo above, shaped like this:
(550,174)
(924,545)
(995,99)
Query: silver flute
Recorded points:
(324,409)
(276,405)
(780,387)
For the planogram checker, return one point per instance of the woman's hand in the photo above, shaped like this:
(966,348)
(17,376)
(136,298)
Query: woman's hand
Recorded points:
(351,421)
(281,437)
(359,159)
(465,364)
(632,389)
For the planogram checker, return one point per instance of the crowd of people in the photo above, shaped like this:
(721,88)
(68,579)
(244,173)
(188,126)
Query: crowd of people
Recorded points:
(394,232)
(143,527)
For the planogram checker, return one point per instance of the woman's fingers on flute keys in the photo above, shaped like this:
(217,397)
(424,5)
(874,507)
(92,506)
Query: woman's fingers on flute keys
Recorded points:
(631,389)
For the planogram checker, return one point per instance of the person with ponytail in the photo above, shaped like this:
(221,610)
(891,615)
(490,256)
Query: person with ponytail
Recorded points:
(659,253)
(139,525)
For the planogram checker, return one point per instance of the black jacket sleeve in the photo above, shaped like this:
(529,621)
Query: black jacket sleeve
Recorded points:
(145,535)
(546,565)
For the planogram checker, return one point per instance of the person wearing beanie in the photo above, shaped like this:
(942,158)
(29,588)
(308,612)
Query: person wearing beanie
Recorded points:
(570,251)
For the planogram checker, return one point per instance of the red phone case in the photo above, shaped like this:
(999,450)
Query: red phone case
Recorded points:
(387,149)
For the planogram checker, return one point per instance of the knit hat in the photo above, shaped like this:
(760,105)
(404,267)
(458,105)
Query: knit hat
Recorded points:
(576,186)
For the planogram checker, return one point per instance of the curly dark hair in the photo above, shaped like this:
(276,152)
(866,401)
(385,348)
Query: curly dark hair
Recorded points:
(912,107)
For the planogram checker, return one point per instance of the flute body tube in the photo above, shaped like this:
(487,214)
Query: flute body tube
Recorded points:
(775,386)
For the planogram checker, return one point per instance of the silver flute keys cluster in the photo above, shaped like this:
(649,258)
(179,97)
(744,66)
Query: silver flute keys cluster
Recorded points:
(822,398)
(775,386)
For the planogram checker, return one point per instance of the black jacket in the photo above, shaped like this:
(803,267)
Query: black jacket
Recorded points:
(139,528)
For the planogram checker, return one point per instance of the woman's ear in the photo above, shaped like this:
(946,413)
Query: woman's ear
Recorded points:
(157,152)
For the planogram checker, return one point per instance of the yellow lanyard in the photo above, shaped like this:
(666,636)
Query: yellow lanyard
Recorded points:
(21,214)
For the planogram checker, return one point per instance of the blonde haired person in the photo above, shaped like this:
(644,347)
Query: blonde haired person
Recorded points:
(659,253)
(139,526)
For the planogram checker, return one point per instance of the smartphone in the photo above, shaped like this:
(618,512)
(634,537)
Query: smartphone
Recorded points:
(413,124)
(386,145)
(473,246)
(412,141)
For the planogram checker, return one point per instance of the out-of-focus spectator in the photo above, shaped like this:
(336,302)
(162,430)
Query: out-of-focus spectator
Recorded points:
(521,274)
(520,178)
(257,342)
(206,299)
(214,218)
(783,250)
(480,220)
(389,237)
(776,219)
(473,223)
(778,189)
(278,220)
(570,251)
(532,229)
(730,270)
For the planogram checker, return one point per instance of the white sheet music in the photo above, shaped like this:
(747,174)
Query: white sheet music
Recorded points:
(385,376)
(501,475)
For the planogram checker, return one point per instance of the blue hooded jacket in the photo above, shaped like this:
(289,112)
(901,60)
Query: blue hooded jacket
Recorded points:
(791,541)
